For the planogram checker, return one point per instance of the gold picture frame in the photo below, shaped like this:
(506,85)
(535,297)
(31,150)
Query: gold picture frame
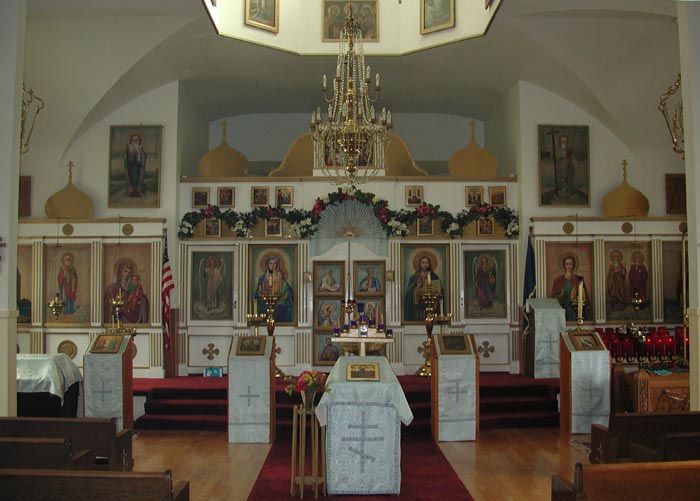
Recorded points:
(250,345)
(226,196)
(414,196)
(486,227)
(284,196)
(273,227)
(259,196)
(432,19)
(455,344)
(585,341)
(497,196)
(200,197)
(362,371)
(335,11)
(260,15)
(425,226)
(106,343)
(212,227)
(473,195)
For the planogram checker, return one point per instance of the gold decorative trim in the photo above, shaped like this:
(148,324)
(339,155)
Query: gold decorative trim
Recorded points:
(68,347)
(567,228)
(627,227)
(128,229)
(68,229)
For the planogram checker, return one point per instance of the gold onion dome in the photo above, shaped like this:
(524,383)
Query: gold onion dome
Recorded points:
(223,161)
(70,202)
(472,161)
(625,200)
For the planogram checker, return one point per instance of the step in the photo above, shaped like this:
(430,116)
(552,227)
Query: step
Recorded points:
(189,406)
(519,420)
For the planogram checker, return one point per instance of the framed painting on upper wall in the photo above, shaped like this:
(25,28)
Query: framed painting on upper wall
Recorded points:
(226,196)
(126,270)
(134,166)
(263,14)
(364,11)
(436,15)
(675,194)
(567,264)
(273,271)
(67,274)
(369,276)
(564,166)
(424,268)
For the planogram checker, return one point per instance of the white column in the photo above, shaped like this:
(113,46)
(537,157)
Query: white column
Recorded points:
(13,15)
(689,42)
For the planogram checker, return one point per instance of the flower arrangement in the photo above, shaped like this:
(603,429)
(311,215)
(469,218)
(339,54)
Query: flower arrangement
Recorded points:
(313,381)
(394,222)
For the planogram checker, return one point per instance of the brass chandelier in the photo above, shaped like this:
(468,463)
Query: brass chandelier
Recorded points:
(350,145)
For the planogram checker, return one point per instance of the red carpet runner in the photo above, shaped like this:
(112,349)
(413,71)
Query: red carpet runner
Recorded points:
(425,474)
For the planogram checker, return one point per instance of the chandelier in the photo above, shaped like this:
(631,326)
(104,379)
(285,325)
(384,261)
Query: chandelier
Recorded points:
(674,124)
(349,145)
(31,106)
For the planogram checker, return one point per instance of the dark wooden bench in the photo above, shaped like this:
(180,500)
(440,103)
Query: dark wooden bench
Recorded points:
(671,447)
(111,450)
(39,485)
(42,453)
(638,481)
(612,444)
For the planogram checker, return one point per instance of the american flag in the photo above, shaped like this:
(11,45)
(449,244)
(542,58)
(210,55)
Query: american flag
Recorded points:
(166,285)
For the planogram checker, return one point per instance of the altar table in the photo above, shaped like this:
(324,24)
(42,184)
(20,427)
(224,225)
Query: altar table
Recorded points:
(363,435)
(47,385)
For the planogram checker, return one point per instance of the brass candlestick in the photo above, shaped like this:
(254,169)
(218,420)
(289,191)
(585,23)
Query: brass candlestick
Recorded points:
(270,301)
(56,305)
(430,299)
(256,320)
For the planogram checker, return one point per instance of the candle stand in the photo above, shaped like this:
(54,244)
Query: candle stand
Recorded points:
(430,299)
(270,300)
(256,320)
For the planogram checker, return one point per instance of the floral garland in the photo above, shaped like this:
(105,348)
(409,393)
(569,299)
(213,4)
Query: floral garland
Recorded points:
(394,222)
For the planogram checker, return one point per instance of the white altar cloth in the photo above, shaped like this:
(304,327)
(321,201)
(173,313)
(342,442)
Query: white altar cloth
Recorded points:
(249,397)
(549,323)
(46,373)
(363,436)
(457,394)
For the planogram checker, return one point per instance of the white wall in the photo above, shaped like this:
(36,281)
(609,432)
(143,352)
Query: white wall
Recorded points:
(192,136)
(503,133)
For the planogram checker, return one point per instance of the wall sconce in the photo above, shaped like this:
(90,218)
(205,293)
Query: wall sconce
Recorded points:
(674,125)
(389,275)
(31,106)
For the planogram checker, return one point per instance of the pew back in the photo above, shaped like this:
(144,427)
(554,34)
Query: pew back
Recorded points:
(98,435)
(613,445)
(41,453)
(39,485)
(638,481)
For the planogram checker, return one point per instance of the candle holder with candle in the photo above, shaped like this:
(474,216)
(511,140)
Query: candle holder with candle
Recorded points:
(430,299)
(270,301)
(254,318)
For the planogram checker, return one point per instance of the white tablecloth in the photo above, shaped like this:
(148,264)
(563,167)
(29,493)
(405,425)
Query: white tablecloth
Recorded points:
(46,373)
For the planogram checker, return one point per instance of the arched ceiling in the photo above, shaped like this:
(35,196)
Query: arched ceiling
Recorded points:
(613,58)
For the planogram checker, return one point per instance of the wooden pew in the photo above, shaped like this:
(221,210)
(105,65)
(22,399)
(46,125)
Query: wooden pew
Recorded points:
(42,453)
(612,445)
(40,485)
(671,447)
(638,481)
(111,450)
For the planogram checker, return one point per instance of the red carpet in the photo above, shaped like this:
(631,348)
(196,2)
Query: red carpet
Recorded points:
(425,474)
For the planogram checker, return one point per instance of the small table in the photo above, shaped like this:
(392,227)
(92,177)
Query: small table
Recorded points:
(299,479)
(363,341)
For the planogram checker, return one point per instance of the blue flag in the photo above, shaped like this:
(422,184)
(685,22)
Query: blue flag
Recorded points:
(530,280)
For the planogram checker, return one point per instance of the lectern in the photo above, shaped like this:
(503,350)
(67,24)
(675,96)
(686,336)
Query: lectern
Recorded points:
(454,388)
(545,322)
(585,382)
(108,379)
(251,390)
